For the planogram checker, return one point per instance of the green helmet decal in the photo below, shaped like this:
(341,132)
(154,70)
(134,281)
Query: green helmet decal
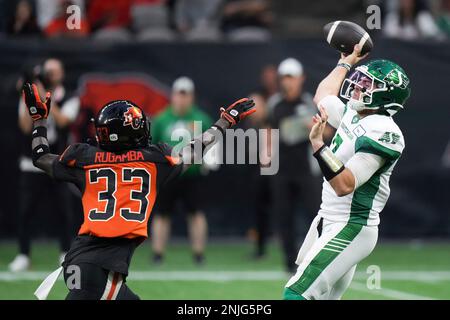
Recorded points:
(397,78)
(382,85)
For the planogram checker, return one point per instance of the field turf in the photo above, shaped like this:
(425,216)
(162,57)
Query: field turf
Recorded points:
(413,270)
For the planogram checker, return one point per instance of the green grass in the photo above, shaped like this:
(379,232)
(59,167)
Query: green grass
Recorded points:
(419,260)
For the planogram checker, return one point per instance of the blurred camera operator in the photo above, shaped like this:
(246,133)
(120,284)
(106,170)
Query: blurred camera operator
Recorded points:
(34,185)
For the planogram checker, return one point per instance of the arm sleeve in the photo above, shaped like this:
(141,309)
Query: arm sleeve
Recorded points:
(335,109)
(62,172)
(363,166)
(69,166)
(171,168)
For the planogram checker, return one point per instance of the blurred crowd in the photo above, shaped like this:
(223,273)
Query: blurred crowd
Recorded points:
(157,20)
(214,20)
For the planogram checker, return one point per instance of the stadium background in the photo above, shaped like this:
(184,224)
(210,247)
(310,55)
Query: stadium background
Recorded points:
(418,209)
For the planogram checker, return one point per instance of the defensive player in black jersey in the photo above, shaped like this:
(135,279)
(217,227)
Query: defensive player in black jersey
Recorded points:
(119,179)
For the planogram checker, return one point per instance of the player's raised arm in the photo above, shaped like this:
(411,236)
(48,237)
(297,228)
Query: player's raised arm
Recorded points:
(331,84)
(343,179)
(229,117)
(39,111)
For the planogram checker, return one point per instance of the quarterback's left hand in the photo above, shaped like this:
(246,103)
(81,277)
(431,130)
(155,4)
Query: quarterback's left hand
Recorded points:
(319,125)
(38,110)
(237,111)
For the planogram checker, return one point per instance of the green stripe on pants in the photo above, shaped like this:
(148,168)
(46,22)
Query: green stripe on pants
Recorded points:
(323,258)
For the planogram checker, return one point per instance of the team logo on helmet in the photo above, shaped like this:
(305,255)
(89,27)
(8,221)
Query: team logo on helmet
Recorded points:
(397,78)
(133,117)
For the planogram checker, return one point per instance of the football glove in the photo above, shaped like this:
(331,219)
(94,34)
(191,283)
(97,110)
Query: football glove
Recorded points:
(238,111)
(38,110)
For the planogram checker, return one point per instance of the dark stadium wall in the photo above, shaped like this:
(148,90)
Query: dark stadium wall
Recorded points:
(419,203)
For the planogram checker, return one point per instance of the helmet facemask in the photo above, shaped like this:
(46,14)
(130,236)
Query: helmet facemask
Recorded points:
(359,88)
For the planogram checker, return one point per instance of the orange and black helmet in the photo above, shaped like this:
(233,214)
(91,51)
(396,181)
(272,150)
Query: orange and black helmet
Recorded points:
(122,125)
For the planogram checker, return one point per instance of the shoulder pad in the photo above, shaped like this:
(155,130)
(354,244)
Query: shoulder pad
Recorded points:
(77,155)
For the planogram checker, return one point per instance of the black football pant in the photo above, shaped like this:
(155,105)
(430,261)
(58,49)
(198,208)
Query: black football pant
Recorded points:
(87,281)
(288,192)
(35,191)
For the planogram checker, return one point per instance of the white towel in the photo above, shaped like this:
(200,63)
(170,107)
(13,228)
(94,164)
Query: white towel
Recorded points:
(44,289)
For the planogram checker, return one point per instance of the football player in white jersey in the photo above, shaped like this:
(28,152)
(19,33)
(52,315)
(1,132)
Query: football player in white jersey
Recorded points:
(356,168)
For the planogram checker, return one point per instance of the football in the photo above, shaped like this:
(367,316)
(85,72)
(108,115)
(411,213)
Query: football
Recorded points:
(343,35)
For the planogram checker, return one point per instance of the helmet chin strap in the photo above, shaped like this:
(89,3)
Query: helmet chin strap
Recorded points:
(356,105)
(390,112)
(360,106)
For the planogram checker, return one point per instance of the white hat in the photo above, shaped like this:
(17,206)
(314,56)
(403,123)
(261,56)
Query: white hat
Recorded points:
(183,84)
(290,67)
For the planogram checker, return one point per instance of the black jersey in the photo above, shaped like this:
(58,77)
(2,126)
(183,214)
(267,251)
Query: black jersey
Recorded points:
(118,193)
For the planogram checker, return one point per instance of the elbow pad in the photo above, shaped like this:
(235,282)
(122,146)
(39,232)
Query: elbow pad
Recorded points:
(38,152)
(40,149)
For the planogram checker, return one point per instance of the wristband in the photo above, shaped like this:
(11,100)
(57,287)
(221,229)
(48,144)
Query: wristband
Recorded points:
(39,151)
(329,164)
(344,65)
(39,132)
(228,117)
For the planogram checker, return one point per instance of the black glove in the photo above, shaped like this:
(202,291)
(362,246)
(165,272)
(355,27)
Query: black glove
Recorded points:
(38,110)
(238,111)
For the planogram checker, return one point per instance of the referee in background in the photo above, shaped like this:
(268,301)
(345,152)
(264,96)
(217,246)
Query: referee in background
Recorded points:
(296,183)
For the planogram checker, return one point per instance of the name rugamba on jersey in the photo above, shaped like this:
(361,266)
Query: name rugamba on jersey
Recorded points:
(109,157)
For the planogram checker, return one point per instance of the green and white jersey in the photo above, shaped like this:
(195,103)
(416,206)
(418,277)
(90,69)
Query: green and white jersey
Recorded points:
(375,134)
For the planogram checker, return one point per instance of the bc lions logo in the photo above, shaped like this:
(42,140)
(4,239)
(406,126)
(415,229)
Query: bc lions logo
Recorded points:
(133,117)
